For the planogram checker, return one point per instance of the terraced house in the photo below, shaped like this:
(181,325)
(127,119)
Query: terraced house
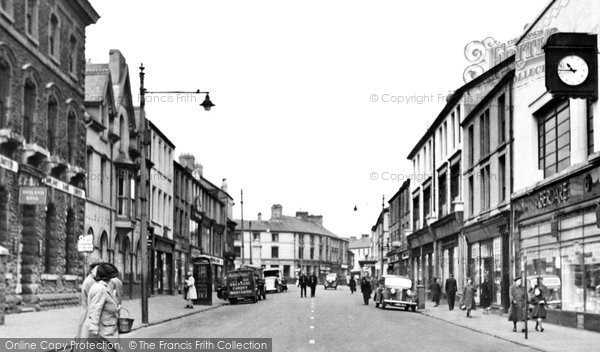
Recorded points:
(42,147)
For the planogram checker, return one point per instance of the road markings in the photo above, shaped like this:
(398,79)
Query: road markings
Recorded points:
(311,341)
(312,326)
(312,318)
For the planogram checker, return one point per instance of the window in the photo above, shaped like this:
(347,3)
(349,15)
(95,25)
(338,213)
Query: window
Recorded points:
(502,178)
(416,212)
(426,201)
(455,180)
(453,126)
(132,196)
(501,119)
(485,187)
(53,37)
(121,195)
(471,141)
(484,133)
(73,55)
(4,91)
(256,236)
(554,139)
(274,237)
(471,196)
(590,127)
(102,176)
(274,252)
(31,18)
(90,155)
(312,253)
(301,252)
(71,137)
(442,195)
(30,107)
(52,116)
(458,121)
(238,251)
(445,138)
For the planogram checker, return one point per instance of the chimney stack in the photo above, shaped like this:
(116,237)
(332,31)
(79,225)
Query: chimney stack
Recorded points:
(276,211)
(259,218)
(365,235)
(224,185)
(116,64)
(187,161)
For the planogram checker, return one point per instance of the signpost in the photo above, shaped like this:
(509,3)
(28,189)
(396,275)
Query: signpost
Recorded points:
(85,245)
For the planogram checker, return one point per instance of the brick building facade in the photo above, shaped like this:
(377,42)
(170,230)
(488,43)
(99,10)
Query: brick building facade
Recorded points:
(42,143)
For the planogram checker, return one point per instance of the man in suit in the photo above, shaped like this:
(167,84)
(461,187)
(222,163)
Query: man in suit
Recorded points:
(451,289)
(312,282)
(303,282)
(436,291)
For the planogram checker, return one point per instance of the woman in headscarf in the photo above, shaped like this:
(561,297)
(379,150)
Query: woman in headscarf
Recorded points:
(103,306)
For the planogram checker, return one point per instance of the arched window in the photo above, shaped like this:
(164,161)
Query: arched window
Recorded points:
(71,137)
(104,247)
(31,18)
(73,55)
(52,117)
(4,91)
(30,96)
(51,252)
(54,37)
(122,132)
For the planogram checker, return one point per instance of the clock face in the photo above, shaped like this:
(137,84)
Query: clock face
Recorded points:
(573,70)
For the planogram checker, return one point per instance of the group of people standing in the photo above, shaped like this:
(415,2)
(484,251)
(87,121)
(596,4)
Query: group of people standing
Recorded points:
(304,281)
(101,301)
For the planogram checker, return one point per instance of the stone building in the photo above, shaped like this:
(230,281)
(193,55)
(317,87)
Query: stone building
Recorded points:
(400,224)
(112,214)
(42,144)
(292,244)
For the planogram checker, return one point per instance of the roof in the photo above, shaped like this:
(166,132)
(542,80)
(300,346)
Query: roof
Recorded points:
(454,99)
(485,101)
(158,131)
(360,243)
(97,78)
(287,224)
(535,22)
(404,186)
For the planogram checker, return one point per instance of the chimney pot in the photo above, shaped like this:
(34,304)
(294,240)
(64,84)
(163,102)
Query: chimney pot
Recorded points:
(259,216)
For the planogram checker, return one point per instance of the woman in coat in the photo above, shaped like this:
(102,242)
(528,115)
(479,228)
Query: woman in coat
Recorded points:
(518,303)
(539,304)
(191,290)
(468,297)
(486,296)
(103,307)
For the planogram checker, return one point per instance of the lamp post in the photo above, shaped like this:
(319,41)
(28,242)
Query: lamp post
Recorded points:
(242,205)
(145,141)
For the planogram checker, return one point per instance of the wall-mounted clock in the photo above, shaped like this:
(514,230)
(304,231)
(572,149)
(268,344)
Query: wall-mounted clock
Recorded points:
(572,65)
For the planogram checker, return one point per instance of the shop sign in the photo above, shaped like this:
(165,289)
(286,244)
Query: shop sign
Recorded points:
(29,195)
(64,187)
(396,243)
(8,164)
(344,266)
(405,255)
(554,195)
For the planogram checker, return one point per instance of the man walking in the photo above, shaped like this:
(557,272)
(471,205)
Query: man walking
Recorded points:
(365,288)
(451,289)
(312,281)
(518,303)
(303,282)
(436,291)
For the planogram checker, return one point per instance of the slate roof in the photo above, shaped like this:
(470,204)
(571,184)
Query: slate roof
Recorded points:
(97,77)
(287,224)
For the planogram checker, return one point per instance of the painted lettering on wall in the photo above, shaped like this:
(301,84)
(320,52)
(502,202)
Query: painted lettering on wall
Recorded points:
(551,196)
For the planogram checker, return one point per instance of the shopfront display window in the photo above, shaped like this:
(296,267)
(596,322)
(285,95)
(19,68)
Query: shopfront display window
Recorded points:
(592,277)
(572,277)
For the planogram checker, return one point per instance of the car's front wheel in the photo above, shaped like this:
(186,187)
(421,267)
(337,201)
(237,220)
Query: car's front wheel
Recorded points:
(406,308)
(414,308)
(376,304)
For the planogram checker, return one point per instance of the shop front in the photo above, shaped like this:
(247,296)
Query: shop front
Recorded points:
(558,238)
(488,260)
(421,244)
(163,266)
(447,231)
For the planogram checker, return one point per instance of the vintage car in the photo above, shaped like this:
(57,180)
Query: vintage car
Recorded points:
(331,281)
(273,280)
(241,285)
(260,279)
(395,291)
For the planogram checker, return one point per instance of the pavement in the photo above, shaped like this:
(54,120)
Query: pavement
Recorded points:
(554,338)
(62,323)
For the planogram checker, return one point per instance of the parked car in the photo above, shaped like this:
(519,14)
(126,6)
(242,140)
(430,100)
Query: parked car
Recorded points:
(331,281)
(273,280)
(396,291)
(259,278)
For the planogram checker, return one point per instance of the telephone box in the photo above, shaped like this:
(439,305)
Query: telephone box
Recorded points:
(203,280)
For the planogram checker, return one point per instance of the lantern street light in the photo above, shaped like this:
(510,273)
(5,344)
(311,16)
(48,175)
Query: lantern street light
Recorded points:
(144,132)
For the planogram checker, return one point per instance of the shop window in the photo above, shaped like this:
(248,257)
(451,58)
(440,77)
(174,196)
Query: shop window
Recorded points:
(238,251)
(29,111)
(274,252)
(554,139)
(590,127)
(592,277)
(4,92)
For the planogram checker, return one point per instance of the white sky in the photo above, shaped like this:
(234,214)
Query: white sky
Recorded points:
(292,81)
